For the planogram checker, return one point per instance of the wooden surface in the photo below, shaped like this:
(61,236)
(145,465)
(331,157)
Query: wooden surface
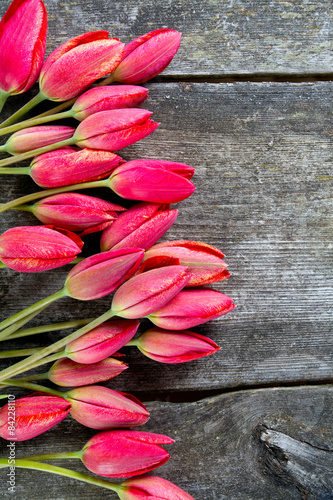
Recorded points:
(247,102)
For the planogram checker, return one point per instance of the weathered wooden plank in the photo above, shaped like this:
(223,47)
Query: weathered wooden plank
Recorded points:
(268,443)
(230,37)
(264,196)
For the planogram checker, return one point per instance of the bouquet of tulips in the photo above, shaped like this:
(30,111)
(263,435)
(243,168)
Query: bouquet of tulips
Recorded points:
(164,282)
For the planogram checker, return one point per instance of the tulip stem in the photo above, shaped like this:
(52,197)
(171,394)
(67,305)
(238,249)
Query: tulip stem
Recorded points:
(3,99)
(29,310)
(26,364)
(36,152)
(18,353)
(22,111)
(50,328)
(15,326)
(15,170)
(32,387)
(57,109)
(30,464)
(32,122)
(49,192)
(55,456)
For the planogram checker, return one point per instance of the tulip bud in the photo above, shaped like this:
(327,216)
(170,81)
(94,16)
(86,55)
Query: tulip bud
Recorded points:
(114,129)
(67,373)
(108,97)
(76,64)
(204,262)
(191,308)
(33,416)
(72,165)
(145,293)
(32,138)
(150,180)
(141,225)
(174,347)
(102,341)
(151,487)
(38,248)
(102,273)
(98,407)
(124,453)
(147,56)
(22,45)
(76,212)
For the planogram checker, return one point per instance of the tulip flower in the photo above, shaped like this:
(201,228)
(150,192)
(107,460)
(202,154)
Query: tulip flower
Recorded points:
(100,408)
(151,487)
(146,56)
(102,341)
(75,212)
(168,346)
(124,453)
(38,248)
(33,416)
(106,130)
(70,165)
(67,373)
(204,262)
(190,308)
(36,137)
(150,180)
(141,225)
(145,293)
(22,46)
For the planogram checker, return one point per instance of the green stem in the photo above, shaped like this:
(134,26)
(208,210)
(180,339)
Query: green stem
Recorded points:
(44,361)
(22,111)
(57,109)
(15,170)
(3,99)
(55,456)
(133,342)
(30,464)
(28,378)
(49,192)
(31,309)
(26,364)
(38,151)
(35,121)
(32,387)
(50,328)
(15,326)
(2,266)
(18,353)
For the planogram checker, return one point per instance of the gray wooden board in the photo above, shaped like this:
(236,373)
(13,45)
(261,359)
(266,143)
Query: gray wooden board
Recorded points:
(229,37)
(264,196)
(249,445)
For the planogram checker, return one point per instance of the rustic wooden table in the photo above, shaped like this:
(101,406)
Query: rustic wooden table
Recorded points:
(247,101)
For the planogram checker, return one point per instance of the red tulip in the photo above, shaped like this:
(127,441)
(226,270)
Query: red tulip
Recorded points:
(98,407)
(204,262)
(67,373)
(150,180)
(22,45)
(76,64)
(174,347)
(141,225)
(38,248)
(151,487)
(76,212)
(148,292)
(102,341)
(147,56)
(72,165)
(108,97)
(102,273)
(33,416)
(32,138)
(114,129)
(191,308)
(124,453)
